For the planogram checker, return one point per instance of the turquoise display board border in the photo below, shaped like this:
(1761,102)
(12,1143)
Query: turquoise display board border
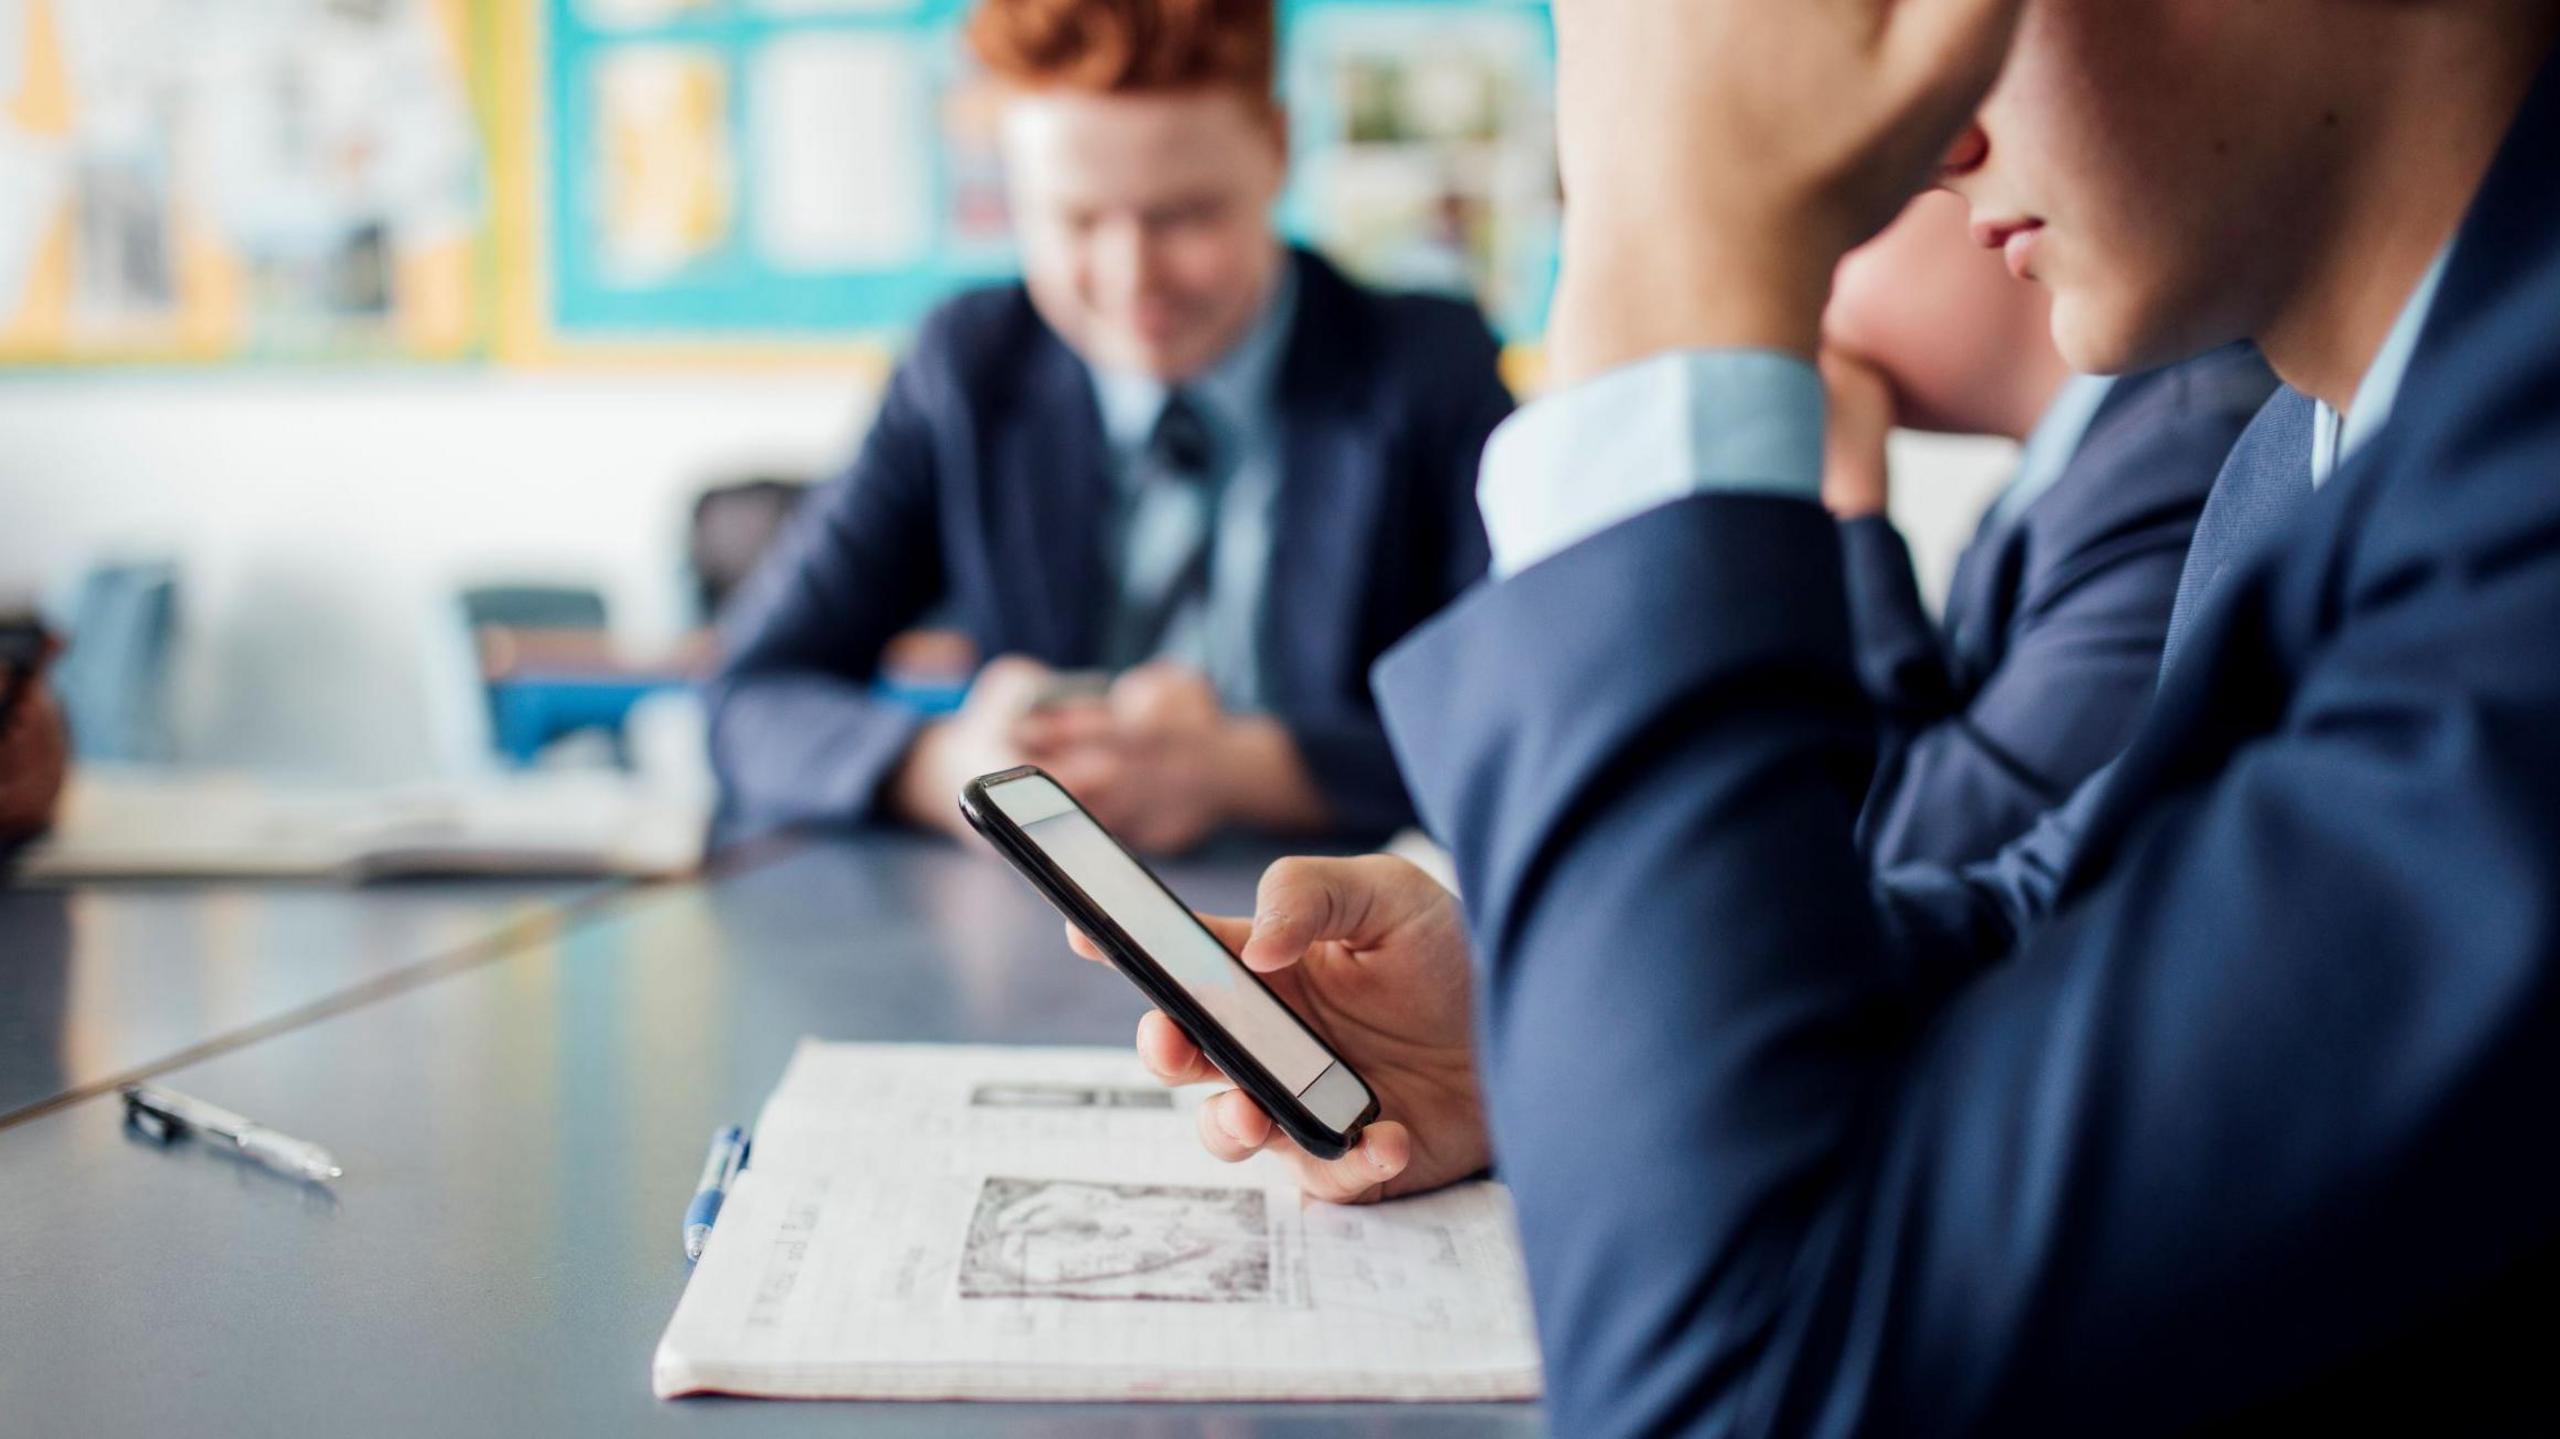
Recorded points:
(729,294)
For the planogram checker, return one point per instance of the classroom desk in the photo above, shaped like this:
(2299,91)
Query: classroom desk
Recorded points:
(520,1139)
(98,980)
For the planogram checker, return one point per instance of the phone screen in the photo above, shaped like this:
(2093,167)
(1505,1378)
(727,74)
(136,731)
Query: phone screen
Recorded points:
(1170,935)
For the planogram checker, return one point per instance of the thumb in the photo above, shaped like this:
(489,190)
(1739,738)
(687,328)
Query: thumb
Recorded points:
(1231,932)
(1301,902)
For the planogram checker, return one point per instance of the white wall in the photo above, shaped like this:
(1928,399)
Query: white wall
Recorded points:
(1941,486)
(321,520)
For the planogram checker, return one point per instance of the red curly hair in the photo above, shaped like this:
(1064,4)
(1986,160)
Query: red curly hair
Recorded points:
(1127,46)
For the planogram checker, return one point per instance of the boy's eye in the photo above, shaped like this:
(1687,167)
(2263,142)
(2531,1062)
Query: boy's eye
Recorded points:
(1197,212)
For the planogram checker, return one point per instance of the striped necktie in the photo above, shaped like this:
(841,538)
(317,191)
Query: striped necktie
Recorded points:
(1164,588)
(2265,482)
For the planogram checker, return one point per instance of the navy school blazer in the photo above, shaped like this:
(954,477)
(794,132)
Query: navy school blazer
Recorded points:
(983,493)
(2049,647)
(2245,1123)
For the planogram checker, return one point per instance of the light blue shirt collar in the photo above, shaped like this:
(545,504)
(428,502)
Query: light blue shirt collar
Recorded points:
(2052,443)
(1235,391)
(2335,438)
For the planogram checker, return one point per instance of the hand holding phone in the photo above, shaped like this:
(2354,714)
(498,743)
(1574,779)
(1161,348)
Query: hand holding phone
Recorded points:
(1307,1089)
(1373,953)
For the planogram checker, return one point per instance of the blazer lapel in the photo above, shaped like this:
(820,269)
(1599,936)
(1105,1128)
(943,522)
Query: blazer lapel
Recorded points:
(1326,516)
(1977,618)
(1049,502)
(1991,574)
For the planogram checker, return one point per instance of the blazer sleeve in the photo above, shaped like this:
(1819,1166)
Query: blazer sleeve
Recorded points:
(2081,660)
(797,736)
(1900,657)
(2230,1116)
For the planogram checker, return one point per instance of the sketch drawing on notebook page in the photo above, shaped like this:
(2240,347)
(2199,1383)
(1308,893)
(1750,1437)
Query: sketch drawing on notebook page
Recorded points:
(1070,1239)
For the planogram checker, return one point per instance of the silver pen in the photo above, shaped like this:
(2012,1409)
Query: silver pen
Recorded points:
(166,1114)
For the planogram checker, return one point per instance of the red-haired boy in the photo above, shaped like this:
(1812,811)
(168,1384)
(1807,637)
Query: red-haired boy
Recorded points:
(1180,451)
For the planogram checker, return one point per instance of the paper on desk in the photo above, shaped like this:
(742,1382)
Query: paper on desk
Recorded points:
(178,824)
(930,1222)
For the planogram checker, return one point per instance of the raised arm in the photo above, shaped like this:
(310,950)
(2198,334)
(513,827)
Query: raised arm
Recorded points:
(2244,1103)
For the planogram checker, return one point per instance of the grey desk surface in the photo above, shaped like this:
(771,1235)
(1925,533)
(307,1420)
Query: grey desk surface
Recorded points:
(99,980)
(520,1138)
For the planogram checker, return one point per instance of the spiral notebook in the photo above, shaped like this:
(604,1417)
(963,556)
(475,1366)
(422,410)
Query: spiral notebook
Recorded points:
(935,1222)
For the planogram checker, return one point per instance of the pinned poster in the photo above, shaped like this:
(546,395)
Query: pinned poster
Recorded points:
(666,195)
(1423,140)
(35,125)
(840,151)
(212,179)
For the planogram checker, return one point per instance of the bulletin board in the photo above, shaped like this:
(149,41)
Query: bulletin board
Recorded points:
(786,168)
(230,179)
(568,181)
(797,170)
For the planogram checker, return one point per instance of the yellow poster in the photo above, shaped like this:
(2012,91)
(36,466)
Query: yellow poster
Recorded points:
(662,123)
(228,178)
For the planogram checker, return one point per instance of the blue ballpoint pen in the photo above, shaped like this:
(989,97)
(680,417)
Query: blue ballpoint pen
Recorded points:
(728,1156)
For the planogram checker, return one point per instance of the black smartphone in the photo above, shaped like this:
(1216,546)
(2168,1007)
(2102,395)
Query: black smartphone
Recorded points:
(1307,1089)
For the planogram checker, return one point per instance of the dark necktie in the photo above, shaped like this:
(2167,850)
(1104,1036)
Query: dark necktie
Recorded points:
(1165,588)
(1181,444)
(2265,482)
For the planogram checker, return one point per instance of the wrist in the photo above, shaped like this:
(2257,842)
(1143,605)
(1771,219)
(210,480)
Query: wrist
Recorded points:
(921,790)
(1858,416)
(1626,296)
(1855,492)
(1258,778)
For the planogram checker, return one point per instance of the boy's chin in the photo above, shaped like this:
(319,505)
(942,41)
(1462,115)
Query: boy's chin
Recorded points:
(2101,335)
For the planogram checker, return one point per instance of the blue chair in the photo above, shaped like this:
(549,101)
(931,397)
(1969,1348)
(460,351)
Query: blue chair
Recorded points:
(532,607)
(113,681)
(532,703)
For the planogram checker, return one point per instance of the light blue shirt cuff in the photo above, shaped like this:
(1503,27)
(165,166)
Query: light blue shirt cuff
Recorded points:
(1680,424)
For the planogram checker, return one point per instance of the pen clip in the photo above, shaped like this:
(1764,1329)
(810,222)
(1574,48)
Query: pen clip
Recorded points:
(148,1120)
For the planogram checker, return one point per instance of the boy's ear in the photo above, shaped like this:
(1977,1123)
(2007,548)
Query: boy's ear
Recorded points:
(1275,119)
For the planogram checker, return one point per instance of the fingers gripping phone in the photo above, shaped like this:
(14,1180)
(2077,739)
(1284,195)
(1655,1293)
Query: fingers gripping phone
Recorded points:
(1153,938)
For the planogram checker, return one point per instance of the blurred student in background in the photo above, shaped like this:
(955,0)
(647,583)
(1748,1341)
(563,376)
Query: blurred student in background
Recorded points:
(35,744)
(2049,646)
(1184,482)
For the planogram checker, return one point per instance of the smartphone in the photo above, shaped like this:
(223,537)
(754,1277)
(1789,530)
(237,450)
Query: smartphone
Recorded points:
(1069,687)
(1307,1089)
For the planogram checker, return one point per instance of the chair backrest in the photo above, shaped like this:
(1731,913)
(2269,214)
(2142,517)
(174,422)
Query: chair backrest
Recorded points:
(532,607)
(733,526)
(510,628)
(113,681)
